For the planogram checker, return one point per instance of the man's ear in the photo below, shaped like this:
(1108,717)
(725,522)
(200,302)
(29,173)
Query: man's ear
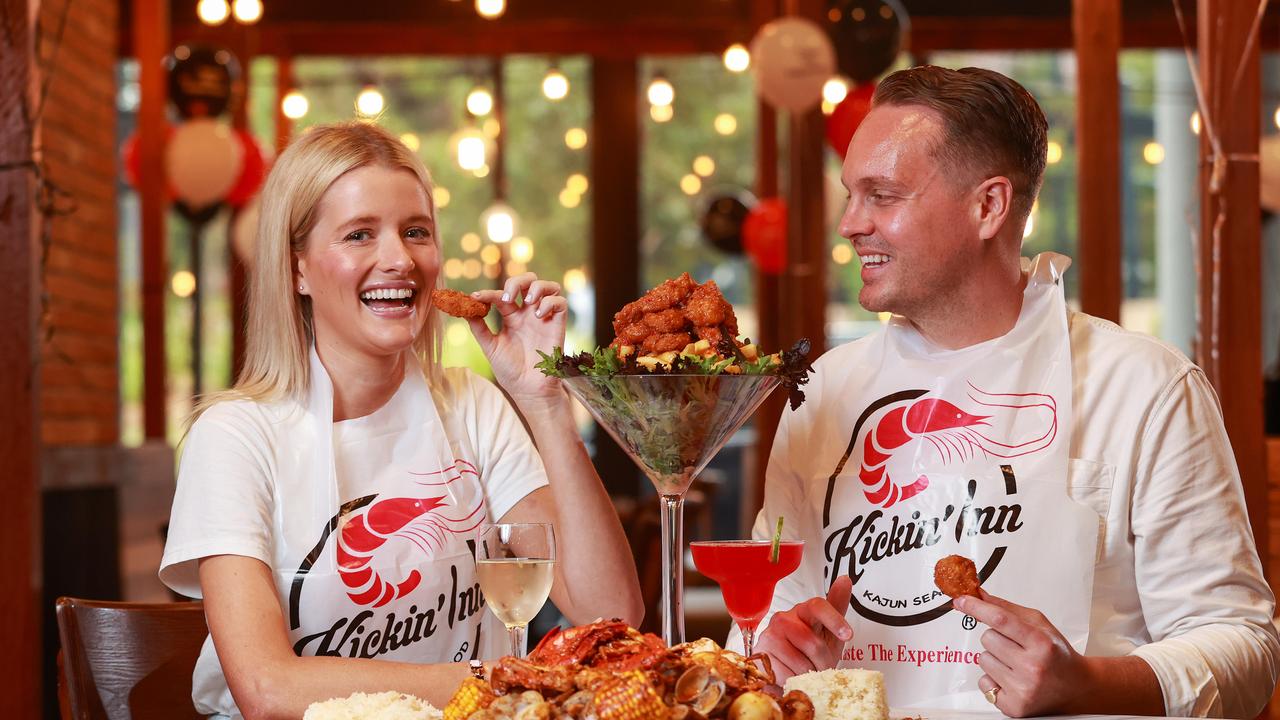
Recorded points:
(994,206)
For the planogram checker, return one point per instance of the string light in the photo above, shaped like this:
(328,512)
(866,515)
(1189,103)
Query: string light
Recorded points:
(661,113)
(453,268)
(575,280)
(1195,122)
(493,271)
(1031,224)
(479,102)
(213,12)
(499,222)
(183,284)
(726,124)
(1277,117)
(737,58)
(704,165)
(522,249)
(660,91)
(369,102)
(491,255)
(470,150)
(247,11)
(1053,152)
(577,182)
(690,184)
(842,254)
(555,86)
(1153,153)
(442,196)
(492,128)
(835,90)
(471,268)
(491,9)
(470,242)
(828,107)
(575,138)
(411,141)
(482,171)
(294,105)
(515,268)
(569,198)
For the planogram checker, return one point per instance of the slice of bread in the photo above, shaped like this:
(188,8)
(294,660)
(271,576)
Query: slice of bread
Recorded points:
(844,694)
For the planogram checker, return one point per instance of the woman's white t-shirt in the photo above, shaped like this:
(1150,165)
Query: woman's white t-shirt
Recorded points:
(238,494)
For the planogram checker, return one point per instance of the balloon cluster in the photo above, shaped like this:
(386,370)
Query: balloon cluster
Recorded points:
(792,58)
(208,163)
(738,224)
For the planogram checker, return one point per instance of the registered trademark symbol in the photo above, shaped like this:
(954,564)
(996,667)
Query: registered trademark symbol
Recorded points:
(969,622)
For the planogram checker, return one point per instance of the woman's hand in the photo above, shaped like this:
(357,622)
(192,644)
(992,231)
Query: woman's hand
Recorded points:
(533,319)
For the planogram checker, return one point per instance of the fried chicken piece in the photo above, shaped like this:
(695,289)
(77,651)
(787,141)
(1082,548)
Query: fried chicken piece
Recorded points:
(712,334)
(633,334)
(667,295)
(707,307)
(666,321)
(458,305)
(956,575)
(658,343)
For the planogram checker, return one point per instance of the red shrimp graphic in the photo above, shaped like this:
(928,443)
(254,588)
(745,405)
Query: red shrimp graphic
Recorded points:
(421,521)
(955,434)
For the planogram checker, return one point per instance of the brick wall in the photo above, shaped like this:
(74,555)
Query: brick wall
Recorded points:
(80,398)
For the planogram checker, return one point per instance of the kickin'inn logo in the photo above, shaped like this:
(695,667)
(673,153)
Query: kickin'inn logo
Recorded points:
(911,448)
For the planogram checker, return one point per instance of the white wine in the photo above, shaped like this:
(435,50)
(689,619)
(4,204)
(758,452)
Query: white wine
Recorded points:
(515,588)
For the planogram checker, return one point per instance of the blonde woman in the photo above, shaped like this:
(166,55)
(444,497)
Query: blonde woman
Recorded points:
(327,505)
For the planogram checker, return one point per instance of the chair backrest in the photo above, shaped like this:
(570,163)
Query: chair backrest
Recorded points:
(128,660)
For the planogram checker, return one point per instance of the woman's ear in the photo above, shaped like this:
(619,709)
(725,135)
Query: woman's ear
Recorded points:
(994,206)
(299,275)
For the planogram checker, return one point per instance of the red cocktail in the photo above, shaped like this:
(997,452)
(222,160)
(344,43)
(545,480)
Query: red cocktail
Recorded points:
(747,575)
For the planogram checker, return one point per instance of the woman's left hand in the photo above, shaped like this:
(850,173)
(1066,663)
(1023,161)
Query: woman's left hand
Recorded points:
(533,319)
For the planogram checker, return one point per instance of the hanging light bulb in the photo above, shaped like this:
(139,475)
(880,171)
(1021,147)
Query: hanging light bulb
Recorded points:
(499,222)
(555,86)
(660,91)
(480,102)
(661,113)
(470,149)
(1195,122)
(737,58)
(491,9)
(575,138)
(726,124)
(835,90)
(213,12)
(522,249)
(294,105)
(247,11)
(369,102)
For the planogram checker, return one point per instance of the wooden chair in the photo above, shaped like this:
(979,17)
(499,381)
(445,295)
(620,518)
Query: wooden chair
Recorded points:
(127,660)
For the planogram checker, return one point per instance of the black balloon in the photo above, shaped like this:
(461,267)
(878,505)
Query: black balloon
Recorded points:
(200,80)
(868,35)
(722,223)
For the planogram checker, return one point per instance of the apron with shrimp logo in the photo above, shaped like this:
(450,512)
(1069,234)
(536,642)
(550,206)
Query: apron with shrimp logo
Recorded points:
(958,453)
(379,517)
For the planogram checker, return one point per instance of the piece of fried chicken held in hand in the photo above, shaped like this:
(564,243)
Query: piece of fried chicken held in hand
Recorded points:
(452,302)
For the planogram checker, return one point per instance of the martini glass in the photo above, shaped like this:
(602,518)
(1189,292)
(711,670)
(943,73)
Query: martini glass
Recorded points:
(747,574)
(671,426)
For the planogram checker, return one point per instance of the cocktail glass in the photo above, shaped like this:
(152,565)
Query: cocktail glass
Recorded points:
(747,575)
(671,426)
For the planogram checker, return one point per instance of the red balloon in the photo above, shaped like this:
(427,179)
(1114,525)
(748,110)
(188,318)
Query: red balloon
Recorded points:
(848,115)
(131,161)
(252,171)
(764,235)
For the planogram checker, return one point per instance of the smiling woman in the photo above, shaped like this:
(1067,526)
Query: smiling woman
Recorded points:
(328,505)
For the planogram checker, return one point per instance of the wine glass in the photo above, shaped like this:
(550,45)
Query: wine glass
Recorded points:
(515,564)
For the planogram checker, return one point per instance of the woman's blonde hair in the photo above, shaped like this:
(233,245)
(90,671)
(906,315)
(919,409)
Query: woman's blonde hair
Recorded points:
(279,328)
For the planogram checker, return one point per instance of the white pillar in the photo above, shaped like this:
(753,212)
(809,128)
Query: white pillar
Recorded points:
(1177,206)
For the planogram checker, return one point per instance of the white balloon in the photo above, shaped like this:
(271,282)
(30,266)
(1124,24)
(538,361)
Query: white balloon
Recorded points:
(244,231)
(792,58)
(1269,154)
(203,161)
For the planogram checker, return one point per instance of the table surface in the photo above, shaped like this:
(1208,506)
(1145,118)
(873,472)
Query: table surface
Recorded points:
(927,714)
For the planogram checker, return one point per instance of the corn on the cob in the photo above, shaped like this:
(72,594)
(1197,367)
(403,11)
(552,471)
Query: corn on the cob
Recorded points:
(629,696)
(474,694)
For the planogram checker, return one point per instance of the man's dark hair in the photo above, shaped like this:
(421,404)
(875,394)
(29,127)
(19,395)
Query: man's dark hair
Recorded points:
(992,125)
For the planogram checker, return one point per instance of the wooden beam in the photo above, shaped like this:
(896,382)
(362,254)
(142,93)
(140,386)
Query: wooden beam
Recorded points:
(151,32)
(768,285)
(21,612)
(1229,346)
(615,227)
(804,282)
(1096,25)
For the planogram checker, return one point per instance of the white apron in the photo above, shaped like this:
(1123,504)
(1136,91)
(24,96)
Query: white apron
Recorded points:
(959,452)
(379,519)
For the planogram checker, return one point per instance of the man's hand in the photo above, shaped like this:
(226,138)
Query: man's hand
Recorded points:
(809,636)
(1035,668)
